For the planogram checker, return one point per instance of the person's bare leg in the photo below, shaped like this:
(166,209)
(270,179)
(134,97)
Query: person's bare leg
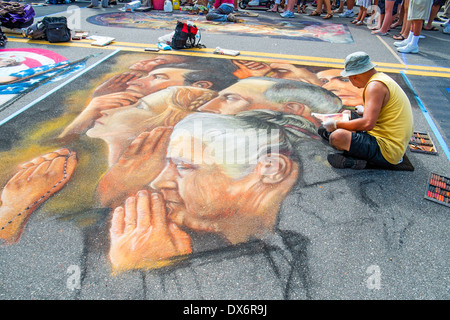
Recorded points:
(389,6)
(341,139)
(433,14)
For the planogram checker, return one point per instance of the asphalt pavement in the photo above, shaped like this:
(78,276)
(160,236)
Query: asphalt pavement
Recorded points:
(364,235)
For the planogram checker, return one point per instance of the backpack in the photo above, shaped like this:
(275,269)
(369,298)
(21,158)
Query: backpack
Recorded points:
(186,36)
(56,29)
(53,29)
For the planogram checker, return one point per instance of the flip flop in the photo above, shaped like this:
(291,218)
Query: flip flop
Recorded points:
(381,33)
(398,37)
(431,29)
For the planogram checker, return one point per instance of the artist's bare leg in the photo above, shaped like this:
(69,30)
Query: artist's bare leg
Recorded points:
(341,139)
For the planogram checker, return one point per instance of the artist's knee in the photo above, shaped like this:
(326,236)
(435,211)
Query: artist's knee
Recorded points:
(341,139)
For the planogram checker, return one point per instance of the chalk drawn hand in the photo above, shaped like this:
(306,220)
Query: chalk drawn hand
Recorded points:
(33,184)
(251,68)
(289,71)
(117,83)
(141,235)
(98,104)
(140,164)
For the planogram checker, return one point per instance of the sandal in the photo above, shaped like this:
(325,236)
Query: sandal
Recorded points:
(431,29)
(328,16)
(315,13)
(398,37)
(354,21)
(358,23)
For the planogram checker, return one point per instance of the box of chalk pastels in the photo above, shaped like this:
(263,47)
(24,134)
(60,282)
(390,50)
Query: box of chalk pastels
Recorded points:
(421,142)
(438,189)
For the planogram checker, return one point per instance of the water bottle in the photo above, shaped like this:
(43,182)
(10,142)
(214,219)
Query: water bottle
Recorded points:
(164,46)
(168,6)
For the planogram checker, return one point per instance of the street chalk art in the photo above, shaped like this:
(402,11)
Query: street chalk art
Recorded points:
(255,26)
(173,166)
(23,70)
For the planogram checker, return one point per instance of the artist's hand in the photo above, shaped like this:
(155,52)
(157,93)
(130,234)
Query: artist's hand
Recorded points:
(141,235)
(140,164)
(118,83)
(98,104)
(329,125)
(359,109)
(34,183)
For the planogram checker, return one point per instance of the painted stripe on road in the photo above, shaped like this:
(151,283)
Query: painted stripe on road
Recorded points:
(428,118)
(254,56)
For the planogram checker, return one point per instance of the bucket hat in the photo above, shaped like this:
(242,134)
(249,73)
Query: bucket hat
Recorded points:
(357,63)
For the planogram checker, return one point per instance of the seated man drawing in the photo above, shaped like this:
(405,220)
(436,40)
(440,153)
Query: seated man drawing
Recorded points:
(380,137)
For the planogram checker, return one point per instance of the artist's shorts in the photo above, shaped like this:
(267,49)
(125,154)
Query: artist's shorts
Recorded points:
(364,146)
(419,9)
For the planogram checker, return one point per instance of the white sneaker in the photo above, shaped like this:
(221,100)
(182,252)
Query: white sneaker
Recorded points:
(402,43)
(254,3)
(446,29)
(347,14)
(409,48)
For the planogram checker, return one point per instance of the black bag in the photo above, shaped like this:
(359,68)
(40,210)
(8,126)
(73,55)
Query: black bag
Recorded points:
(186,36)
(53,29)
(56,29)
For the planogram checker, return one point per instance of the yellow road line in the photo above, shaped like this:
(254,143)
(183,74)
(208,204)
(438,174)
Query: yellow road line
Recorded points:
(253,56)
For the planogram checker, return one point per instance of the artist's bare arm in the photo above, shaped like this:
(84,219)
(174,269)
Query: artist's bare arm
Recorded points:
(377,95)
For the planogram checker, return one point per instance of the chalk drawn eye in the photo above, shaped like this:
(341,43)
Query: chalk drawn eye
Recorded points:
(232,97)
(160,76)
(344,79)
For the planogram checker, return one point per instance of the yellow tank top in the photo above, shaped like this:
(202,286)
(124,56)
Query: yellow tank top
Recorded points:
(394,126)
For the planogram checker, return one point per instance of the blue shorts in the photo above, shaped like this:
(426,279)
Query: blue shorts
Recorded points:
(364,146)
